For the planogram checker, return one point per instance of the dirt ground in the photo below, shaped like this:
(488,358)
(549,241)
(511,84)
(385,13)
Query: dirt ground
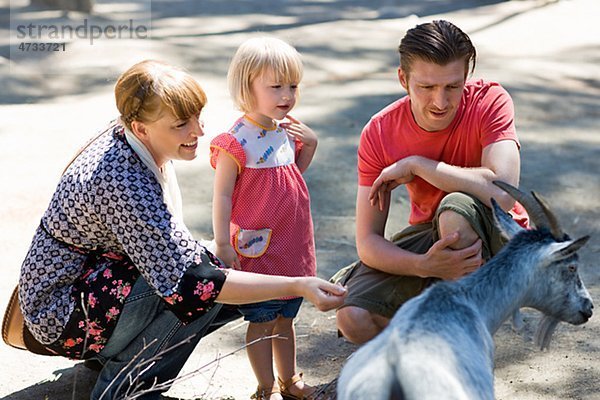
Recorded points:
(546,53)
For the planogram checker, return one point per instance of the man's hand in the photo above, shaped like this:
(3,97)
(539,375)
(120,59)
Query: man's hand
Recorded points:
(399,173)
(441,261)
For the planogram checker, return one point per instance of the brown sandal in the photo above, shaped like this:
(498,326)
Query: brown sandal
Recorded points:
(264,393)
(284,388)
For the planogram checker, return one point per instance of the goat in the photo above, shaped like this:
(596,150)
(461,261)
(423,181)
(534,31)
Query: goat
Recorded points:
(439,344)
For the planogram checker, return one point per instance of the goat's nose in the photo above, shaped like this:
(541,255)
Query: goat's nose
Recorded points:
(586,310)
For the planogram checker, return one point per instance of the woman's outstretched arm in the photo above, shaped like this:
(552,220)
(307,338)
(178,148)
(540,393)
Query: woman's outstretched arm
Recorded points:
(246,287)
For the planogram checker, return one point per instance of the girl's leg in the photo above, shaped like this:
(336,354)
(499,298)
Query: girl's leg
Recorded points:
(146,319)
(284,352)
(260,355)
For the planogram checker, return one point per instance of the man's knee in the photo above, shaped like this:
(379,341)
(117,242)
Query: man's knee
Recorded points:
(359,325)
(449,222)
(463,213)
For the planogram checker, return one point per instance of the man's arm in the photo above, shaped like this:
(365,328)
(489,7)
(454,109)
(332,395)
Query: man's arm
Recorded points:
(499,161)
(379,253)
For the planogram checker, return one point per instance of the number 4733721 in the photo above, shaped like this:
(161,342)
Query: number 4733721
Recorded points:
(27,46)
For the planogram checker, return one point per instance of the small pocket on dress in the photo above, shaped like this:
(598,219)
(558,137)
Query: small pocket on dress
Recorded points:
(252,243)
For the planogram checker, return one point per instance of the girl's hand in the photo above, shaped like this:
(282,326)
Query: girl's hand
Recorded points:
(228,255)
(391,177)
(301,132)
(324,295)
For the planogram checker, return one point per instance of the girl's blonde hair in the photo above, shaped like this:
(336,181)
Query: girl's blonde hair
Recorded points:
(150,88)
(252,59)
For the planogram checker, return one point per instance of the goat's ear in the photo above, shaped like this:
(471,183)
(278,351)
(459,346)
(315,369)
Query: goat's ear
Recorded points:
(560,250)
(504,221)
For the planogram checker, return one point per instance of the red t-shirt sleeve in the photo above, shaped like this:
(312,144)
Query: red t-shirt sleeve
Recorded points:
(497,117)
(371,153)
(498,124)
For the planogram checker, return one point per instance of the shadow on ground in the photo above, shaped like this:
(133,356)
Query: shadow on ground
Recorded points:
(74,383)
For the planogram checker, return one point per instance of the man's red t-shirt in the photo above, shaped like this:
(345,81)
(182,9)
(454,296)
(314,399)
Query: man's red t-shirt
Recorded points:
(485,116)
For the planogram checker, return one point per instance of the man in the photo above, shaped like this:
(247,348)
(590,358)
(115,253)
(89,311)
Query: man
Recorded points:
(447,141)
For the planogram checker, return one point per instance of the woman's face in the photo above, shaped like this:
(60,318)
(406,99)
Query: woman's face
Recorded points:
(170,138)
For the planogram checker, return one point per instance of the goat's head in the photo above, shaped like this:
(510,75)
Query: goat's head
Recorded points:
(558,291)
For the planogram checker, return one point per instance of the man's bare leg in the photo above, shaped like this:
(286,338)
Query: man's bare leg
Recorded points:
(450,222)
(359,325)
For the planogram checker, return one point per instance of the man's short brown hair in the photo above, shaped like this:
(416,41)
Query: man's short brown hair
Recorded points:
(439,42)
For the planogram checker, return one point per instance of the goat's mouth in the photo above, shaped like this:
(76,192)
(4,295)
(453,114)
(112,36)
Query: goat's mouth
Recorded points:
(585,313)
(578,318)
(585,316)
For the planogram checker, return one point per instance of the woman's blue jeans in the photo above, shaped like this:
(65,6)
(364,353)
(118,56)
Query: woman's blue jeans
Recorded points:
(145,318)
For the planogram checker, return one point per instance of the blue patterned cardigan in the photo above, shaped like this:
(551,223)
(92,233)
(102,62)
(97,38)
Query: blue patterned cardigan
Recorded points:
(106,225)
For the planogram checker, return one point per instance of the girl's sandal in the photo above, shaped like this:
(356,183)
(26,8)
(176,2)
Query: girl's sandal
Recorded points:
(264,393)
(285,386)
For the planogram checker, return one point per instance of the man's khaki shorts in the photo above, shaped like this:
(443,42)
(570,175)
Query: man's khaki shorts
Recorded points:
(382,293)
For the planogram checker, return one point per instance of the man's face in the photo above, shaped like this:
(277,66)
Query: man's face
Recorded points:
(435,92)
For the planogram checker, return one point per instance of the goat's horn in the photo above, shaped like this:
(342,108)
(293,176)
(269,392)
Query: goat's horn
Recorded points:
(531,202)
(555,229)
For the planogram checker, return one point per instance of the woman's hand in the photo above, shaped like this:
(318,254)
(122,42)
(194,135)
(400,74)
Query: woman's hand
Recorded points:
(246,287)
(228,255)
(324,295)
(399,173)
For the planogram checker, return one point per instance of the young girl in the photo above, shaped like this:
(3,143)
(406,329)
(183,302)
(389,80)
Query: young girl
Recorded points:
(261,206)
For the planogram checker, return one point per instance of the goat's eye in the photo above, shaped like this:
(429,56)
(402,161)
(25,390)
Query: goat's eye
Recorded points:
(572,268)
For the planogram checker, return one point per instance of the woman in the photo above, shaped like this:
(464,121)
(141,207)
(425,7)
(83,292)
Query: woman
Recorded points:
(112,272)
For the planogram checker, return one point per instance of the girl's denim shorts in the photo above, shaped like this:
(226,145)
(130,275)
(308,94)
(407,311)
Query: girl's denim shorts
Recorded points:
(267,311)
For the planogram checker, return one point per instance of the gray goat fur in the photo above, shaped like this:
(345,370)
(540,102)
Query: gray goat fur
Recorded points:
(439,344)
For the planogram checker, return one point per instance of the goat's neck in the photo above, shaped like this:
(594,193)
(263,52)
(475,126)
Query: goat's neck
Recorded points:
(500,287)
